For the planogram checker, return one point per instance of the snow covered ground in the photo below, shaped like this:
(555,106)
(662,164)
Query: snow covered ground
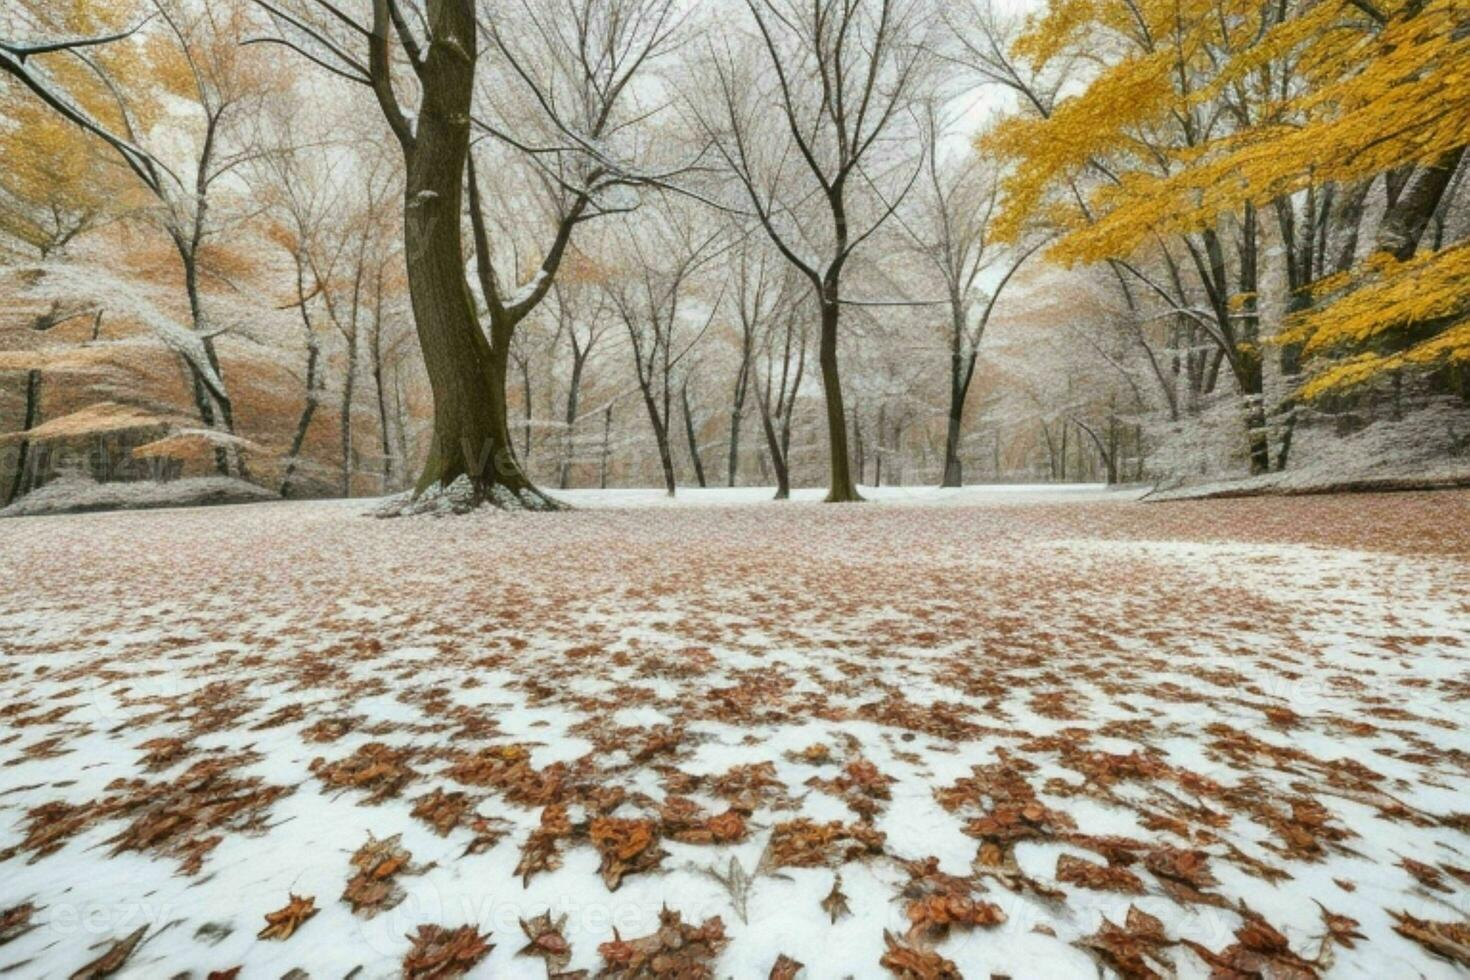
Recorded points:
(1029,732)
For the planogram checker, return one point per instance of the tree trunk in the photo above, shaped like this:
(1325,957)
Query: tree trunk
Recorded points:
(525,366)
(348,389)
(1051,450)
(398,417)
(661,436)
(1409,214)
(204,402)
(959,387)
(33,410)
(313,353)
(878,449)
(737,409)
(778,455)
(841,488)
(690,435)
(569,444)
(385,441)
(470,437)
(1106,452)
(953,470)
(960,374)
(606,443)
(375,350)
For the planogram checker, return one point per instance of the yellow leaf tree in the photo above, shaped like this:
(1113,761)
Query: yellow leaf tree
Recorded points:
(1199,118)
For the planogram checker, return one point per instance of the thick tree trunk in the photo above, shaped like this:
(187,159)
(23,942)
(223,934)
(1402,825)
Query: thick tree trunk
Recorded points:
(470,436)
(1409,214)
(33,411)
(841,488)
(689,434)
(510,471)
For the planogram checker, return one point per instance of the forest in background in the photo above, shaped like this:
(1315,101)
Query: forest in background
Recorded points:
(347,249)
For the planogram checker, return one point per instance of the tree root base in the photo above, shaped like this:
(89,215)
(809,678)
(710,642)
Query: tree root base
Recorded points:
(462,496)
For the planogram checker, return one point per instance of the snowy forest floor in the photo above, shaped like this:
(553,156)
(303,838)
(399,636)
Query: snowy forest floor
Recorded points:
(1032,733)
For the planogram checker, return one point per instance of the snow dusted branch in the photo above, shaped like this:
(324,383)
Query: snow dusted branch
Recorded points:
(15,60)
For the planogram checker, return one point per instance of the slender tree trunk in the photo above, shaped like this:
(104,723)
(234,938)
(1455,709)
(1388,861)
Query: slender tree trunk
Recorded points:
(400,423)
(606,443)
(33,411)
(954,475)
(226,412)
(525,366)
(1051,450)
(1106,452)
(349,388)
(375,351)
(959,388)
(569,443)
(841,487)
(384,437)
(313,354)
(778,454)
(878,450)
(690,435)
(959,383)
(661,436)
(737,409)
(188,246)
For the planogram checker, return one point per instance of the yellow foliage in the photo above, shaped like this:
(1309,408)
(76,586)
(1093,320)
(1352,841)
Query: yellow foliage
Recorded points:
(55,176)
(1202,108)
(1398,299)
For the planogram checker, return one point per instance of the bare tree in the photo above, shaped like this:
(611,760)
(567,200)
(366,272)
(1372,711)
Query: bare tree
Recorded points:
(436,45)
(387,344)
(758,290)
(225,85)
(302,198)
(665,250)
(22,60)
(781,364)
(576,65)
(950,228)
(583,317)
(820,139)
